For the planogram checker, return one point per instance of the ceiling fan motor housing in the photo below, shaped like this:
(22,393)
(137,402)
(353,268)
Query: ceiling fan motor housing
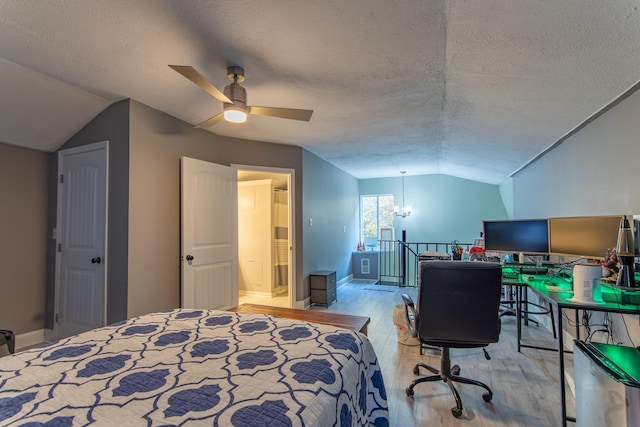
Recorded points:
(237,94)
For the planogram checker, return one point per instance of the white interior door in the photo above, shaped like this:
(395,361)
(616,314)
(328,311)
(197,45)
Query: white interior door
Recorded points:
(81,264)
(209,233)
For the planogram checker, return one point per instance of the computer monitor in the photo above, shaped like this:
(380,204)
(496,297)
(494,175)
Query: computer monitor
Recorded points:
(636,234)
(586,236)
(521,235)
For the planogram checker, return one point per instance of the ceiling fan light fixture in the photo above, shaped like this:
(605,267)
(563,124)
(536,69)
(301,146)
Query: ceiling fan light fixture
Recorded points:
(234,114)
(234,99)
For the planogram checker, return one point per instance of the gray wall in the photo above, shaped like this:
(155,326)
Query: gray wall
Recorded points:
(157,143)
(330,201)
(143,233)
(444,208)
(594,172)
(23,233)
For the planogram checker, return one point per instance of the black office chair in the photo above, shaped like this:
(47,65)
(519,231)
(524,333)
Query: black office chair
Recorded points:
(458,306)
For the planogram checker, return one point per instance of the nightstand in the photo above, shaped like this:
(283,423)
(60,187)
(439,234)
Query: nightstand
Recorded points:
(323,287)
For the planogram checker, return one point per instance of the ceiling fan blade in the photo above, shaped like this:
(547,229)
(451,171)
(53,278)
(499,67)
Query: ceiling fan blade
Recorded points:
(197,78)
(211,121)
(283,113)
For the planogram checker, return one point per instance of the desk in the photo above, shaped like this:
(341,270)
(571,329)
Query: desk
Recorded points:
(347,321)
(561,300)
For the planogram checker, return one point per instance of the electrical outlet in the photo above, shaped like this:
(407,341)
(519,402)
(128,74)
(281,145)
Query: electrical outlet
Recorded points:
(310,222)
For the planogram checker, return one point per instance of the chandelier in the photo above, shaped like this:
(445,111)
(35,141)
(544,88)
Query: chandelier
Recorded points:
(406,209)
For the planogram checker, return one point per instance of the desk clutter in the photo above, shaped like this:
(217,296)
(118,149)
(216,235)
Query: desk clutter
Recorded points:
(590,286)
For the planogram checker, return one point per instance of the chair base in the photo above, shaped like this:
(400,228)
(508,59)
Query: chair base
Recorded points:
(449,375)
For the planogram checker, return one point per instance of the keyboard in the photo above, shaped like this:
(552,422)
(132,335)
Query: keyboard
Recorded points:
(510,276)
(534,271)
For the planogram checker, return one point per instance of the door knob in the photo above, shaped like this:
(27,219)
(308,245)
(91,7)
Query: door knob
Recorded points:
(95,260)
(189,257)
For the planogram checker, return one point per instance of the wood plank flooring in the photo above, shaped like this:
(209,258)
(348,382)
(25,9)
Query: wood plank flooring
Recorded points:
(525,385)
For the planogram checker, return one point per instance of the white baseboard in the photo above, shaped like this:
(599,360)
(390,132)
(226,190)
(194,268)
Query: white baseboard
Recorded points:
(29,339)
(344,280)
(304,304)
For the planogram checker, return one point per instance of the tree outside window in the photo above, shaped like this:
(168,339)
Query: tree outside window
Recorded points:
(376,212)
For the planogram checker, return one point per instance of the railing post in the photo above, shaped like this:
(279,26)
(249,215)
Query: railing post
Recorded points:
(403,260)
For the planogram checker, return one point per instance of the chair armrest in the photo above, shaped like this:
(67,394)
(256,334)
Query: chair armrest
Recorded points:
(410,315)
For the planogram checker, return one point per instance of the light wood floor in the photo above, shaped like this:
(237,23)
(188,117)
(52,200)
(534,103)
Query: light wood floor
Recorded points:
(525,385)
(279,301)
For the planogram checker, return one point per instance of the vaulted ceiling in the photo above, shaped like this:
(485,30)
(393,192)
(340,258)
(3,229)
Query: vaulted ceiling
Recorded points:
(473,89)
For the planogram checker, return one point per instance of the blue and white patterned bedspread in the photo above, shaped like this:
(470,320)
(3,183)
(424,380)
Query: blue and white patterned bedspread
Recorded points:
(190,367)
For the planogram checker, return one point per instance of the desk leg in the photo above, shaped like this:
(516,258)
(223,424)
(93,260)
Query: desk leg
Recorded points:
(563,394)
(525,298)
(519,314)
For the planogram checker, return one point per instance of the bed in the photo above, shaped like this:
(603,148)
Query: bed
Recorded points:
(192,367)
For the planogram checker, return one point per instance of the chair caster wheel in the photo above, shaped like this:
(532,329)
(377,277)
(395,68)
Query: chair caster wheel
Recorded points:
(409,392)
(457,412)
(416,371)
(455,370)
(487,397)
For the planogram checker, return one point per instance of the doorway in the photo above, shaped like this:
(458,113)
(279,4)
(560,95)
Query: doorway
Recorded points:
(265,236)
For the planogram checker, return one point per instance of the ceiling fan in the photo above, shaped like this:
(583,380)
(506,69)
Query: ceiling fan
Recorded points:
(234,98)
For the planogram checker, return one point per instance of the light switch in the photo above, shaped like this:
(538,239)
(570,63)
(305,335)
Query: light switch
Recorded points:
(310,222)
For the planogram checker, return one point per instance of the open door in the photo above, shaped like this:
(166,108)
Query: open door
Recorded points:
(209,235)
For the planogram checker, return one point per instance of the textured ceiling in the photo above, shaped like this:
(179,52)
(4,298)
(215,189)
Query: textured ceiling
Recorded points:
(473,89)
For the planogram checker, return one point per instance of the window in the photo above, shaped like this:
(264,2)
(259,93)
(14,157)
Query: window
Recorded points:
(376,212)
